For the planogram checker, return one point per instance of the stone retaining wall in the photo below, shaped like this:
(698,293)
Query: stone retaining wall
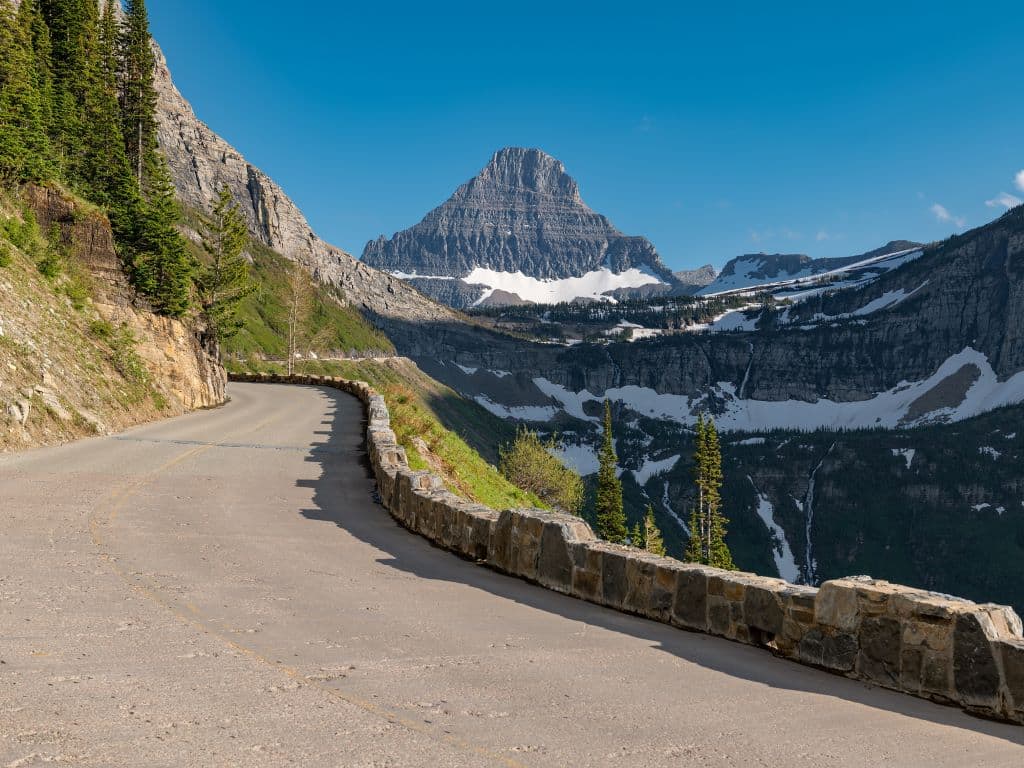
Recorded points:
(933,646)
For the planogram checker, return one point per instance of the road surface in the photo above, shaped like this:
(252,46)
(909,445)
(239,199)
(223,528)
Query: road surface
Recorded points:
(221,589)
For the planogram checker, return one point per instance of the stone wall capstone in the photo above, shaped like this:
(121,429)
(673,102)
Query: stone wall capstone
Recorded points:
(929,645)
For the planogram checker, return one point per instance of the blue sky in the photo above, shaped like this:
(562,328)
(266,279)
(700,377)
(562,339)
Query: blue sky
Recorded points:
(712,131)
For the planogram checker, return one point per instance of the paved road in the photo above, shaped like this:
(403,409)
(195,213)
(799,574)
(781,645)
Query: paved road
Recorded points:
(220,589)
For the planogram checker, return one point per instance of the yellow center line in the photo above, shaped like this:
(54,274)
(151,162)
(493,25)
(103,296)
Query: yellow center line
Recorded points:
(115,502)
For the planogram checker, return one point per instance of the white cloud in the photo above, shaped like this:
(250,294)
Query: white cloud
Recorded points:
(1019,180)
(1004,200)
(942,214)
(822,236)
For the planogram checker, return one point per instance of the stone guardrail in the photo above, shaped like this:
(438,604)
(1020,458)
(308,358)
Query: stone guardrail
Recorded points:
(930,645)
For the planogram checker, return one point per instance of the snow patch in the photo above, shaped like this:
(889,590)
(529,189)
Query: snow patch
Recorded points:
(990,451)
(519,412)
(582,458)
(592,285)
(752,441)
(652,468)
(466,369)
(781,551)
(906,453)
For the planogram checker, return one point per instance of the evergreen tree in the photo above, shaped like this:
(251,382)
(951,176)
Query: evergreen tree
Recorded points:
(610,517)
(72,25)
(636,536)
(138,96)
(160,265)
(105,173)
(707,522)
(24,143)
(652,540)
(225,281)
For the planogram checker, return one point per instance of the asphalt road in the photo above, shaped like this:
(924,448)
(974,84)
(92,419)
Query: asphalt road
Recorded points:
(221,589)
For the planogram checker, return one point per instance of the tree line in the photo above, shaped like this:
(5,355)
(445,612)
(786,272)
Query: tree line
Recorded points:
(530,463)
(78,108)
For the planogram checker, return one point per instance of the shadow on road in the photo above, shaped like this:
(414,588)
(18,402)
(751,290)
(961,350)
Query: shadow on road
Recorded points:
(344,494)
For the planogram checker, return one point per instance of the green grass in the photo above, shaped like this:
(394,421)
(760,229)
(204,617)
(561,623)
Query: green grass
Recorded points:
(462,438)
(333,328)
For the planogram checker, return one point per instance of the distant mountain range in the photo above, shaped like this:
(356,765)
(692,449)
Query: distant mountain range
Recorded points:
(520,232)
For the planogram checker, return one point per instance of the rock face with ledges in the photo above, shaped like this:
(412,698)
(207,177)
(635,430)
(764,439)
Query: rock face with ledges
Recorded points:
(521,213)
(201,163)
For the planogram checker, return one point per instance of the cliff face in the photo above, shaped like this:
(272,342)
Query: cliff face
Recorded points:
(521,214)
(80,353)
(201,163)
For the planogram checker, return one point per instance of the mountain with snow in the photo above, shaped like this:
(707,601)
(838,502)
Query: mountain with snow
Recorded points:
(520,232)
(761,269)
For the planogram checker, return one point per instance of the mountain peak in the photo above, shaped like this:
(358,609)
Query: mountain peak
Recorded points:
(520,219)
(526,169)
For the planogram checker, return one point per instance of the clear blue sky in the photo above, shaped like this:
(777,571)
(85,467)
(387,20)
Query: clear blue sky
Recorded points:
(712,131)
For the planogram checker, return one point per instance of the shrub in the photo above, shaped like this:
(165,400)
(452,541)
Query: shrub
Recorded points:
(529,463)
(5,254)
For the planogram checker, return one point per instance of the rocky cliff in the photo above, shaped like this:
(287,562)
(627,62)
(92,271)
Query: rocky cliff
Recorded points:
(521,217)
(80,352)
(201,163)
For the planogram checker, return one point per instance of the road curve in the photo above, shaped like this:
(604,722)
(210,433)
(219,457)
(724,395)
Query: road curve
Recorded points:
(221,589)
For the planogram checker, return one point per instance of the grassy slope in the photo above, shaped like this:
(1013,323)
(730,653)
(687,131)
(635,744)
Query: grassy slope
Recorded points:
(461,437)
(334,328)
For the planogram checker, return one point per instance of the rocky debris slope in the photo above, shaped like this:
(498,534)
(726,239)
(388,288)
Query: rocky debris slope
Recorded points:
(201,163)
(108,364)
(521,214)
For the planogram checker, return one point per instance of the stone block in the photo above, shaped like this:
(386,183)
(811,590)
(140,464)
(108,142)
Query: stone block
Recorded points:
(528,526)
(640,571)
(811,648)
(719,615)
(663,589)
(554,564)
(911,665)
(586,570)
(500,550)
(690,607)
(880,649)
(839,651)
(614,584)
(836,605)
(975,668)
(762,606)
(937,677)
(1012,654)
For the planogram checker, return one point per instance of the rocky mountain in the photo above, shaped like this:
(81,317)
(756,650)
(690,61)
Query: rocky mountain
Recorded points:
(201,162)
(692,280)
(519,231)
(754,269)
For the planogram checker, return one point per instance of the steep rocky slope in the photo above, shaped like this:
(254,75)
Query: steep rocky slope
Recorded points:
(201,163)
(519,231)
(80,354)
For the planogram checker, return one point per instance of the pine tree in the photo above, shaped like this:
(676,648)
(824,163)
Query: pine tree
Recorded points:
(718,551)
(707,522)
(652,540)
(610,517)
(695,551)
(160,265)
(138,95)
(225,281)
(24,144)
(72,25)
(105,173)
(636,536)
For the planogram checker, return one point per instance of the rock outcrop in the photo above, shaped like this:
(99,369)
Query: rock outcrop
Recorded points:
(201,163)
(692,280)
(521,214)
